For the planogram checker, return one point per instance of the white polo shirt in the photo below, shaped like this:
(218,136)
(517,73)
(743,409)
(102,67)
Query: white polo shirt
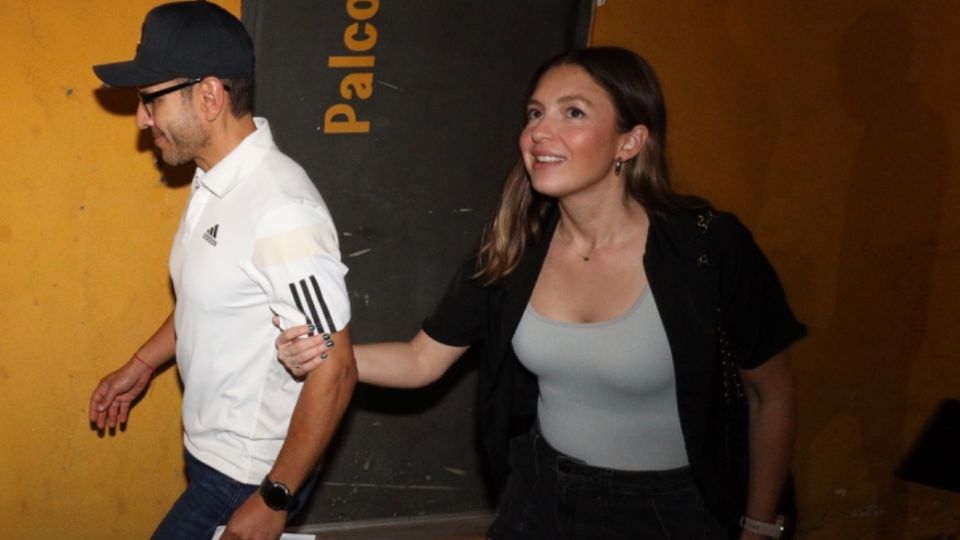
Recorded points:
(256,240)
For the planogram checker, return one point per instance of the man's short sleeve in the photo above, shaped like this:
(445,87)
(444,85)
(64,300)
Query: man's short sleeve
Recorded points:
(297,257)
(753,307)
(459,317)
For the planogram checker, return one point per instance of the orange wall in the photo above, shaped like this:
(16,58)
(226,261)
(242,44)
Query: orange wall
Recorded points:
(831,129)
(85,227)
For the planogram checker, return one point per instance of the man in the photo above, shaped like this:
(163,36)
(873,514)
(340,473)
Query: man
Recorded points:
(256,241)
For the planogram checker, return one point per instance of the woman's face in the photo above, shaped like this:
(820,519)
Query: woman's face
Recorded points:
(571,140)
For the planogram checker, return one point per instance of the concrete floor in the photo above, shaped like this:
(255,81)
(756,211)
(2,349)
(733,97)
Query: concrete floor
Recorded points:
(468,526)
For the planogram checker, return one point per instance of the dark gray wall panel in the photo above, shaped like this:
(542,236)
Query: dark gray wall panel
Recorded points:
(410,198)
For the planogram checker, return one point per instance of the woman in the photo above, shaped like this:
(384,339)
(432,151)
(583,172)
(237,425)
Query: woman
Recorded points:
(605,305)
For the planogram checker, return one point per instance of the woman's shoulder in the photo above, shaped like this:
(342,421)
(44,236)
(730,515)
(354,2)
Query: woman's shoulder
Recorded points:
(703,224)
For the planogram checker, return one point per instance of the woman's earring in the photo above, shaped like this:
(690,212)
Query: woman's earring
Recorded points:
(617,167)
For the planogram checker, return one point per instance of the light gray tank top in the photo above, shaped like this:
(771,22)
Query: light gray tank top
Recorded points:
(608,395)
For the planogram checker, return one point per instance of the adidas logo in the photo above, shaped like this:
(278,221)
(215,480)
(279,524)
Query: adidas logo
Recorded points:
(211,235)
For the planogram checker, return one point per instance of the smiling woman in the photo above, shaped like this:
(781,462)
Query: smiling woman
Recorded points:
(570,144)
(597,298)
(591,98)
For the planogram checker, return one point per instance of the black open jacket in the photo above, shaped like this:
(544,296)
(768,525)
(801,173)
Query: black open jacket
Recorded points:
(702,267)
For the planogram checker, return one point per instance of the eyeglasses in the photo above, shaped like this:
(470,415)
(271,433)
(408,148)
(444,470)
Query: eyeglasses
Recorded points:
(147,98)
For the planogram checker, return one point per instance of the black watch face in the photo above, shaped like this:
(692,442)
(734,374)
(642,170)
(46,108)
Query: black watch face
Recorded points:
(277,497)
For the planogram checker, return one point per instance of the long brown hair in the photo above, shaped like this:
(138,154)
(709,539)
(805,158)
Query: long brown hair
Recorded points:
(633,88)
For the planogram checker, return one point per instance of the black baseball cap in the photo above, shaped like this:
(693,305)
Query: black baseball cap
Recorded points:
(184,39)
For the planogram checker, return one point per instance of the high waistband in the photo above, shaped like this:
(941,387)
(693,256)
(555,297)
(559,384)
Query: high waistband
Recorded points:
(652,481)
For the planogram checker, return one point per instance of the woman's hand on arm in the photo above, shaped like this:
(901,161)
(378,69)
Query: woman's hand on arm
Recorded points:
(772,423)
(300,352)
(410,364)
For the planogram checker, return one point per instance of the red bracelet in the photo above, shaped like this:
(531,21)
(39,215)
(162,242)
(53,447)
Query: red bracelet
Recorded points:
(138,359)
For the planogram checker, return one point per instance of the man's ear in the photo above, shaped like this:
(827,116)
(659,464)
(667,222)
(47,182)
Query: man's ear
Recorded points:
(632,142)
(213,98)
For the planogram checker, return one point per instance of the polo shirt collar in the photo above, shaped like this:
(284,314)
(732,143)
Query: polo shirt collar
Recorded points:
(230,171)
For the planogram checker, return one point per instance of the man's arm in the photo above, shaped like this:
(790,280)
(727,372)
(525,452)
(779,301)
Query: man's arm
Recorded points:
(322,403)
(115,393)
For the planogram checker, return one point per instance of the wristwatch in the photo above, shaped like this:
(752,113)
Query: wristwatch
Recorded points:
(276,494)
(771,530)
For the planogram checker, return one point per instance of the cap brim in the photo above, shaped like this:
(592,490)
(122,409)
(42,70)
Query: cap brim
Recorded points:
(129,75)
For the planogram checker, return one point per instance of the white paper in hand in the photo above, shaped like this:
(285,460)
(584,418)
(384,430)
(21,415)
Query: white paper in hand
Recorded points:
(285,536)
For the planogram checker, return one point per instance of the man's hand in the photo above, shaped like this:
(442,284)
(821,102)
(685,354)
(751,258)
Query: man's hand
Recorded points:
(111,400)
(254,520)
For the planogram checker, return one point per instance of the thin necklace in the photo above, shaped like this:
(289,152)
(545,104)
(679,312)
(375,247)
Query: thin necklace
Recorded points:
(586,258)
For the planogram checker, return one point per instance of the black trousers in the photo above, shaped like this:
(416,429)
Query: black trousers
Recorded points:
(557,497)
